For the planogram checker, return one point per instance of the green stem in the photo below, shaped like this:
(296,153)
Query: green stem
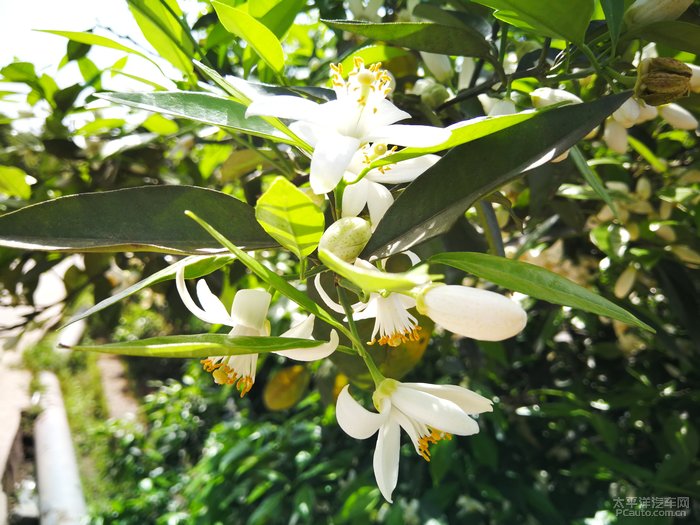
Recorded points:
(593,60)
(489,222)
(377,376)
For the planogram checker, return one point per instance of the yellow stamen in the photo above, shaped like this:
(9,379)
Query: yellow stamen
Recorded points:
(425,441)
(394,340)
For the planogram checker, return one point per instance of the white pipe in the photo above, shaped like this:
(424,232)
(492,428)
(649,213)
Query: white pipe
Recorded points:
(61,500)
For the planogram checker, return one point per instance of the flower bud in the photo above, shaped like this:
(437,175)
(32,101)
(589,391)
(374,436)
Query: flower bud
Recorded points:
(628,113)
(689,177)
(662,80)
(644,12)
(646,112)
(430,92)
(615,136)
(466,73)
(346,238)
(663,231)
(678,117)
(439,65)
(666,210)
(543,97)
(695,78)
(686,254)
(643,188)
(471,312)
(624,283)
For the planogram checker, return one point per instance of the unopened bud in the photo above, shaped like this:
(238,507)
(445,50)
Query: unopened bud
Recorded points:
(346,238)
(431,93)
(662,80)
(628,113)
(644,12)
(646,112)
(625,282)
(543,97)
(695,78)
(643,188)
(615,136)
(439,65)
(678,117)
(686,254)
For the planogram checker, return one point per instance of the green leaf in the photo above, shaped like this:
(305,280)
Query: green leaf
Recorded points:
(437,198)
(260,38)
(375,280)
(97,40)
(290,217)
(269,277)
(160,125)
(158,20)
(422,36)
(195,266)
(683,36)
(13,182)
(148,218)
(536,282)
(202,107)
(201,345)
(592,178)
(553,18)
(614,11)
(280,17)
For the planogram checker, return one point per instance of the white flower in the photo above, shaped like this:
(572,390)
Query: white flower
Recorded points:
(428,413)
(648,11)
(369,190)
(337,129)
(543,97)
(471,312)
(439,65)
(248,317)
(678,117)
(628,113)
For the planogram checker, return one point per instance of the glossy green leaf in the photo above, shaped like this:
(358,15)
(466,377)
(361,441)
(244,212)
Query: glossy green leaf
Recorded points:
(195,266)
(372,54)
(92,39)
(158,20)
(202,107)
(422,36)
(592,178)
(683,36)
(436,199)
(554,18)
(375,280)
(13,182)
(536,282)
(258,36)
(290,217)
(280,17)
(148,218)
(201,345)
(614,11)
(268,276)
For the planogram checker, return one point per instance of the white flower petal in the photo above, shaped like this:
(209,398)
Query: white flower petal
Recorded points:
(284,106)
(312,354)
(379,200)
(214,308)
(386,458)
(192,306)
(615,136)
(386,113)
(330,159)
(355,420)
(308,132)
(404,171)
(678,117)
(438,413)
(302,330)
(330,303)
(474,313)
(250,307)
(469,401)
(355,198)
(406,135)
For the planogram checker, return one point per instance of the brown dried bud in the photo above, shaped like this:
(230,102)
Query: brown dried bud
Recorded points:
(662,80)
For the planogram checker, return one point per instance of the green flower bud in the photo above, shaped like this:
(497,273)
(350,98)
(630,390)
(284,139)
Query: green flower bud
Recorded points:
(662,80)
(346,238)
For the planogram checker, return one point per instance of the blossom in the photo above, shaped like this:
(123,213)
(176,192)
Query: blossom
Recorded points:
(648,11)
(369,190)
(472,312)
(428,413)
(678,117)
(248,317)
(337,129)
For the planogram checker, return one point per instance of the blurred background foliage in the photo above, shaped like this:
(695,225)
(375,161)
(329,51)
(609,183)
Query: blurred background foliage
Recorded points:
(587,410)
